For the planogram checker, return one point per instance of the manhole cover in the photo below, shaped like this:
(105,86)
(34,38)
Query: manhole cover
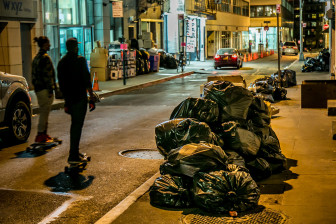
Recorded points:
(264,216)
(141,154)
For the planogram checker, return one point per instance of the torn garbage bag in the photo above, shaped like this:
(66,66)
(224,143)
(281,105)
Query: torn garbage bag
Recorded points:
(201,109)
(171,191)
(192,158)
(178,132)
(233,101)
(225,190)
(240,140)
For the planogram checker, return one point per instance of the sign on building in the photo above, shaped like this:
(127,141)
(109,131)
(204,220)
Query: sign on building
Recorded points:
(19,9)
(117,9)
(278,8)
(191,34)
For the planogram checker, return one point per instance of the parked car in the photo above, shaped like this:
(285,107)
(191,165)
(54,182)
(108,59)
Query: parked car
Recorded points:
(290,47)
(15,107)
(228,57)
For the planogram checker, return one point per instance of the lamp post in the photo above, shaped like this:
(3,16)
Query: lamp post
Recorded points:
(301,58)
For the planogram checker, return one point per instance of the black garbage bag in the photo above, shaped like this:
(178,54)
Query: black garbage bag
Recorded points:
(280,93)
(270,149)
(243,141)
(235,158)
(288,77)
(201,109)
(171,62)
(178,132)
(165,136)
(221,191)
(259,169)
(192,158)
(233,101)
(171,191)
(259,112)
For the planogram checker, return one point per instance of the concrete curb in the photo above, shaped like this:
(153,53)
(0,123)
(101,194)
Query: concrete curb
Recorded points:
(115,212)
(60,105)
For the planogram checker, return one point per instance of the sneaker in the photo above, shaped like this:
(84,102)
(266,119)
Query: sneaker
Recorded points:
(41,138)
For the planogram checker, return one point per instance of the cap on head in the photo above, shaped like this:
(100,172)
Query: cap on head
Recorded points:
(71,43)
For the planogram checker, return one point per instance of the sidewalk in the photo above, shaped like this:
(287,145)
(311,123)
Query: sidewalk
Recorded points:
(113,87)
(305,193)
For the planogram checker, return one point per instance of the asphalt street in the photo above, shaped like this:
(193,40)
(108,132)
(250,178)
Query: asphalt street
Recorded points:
(34,188)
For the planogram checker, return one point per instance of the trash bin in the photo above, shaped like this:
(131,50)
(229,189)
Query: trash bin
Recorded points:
(154,61)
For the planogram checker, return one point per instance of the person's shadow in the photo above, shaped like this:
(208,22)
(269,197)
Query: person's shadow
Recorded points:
(63,182)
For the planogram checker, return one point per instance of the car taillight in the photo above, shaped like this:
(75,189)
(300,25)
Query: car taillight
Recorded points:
(295,48)
(284,47)
(217,56)
(234,56)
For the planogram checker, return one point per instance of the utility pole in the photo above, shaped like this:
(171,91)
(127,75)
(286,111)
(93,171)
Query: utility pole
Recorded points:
(301,58)
(278,11)
(330,40)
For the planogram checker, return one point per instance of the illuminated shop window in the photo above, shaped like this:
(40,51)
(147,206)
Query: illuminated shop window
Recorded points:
(68,12)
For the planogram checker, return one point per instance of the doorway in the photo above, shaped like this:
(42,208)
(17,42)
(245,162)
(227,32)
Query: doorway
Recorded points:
(26,51)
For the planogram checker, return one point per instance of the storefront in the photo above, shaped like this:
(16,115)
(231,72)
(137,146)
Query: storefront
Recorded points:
(184,32)
(16,25)
(267,39)
(68,18)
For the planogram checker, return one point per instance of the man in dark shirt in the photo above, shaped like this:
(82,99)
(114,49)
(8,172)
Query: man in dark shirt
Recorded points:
(74,81)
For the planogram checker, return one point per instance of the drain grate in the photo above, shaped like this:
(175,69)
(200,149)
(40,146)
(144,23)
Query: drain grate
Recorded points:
(141,154)
(265,216)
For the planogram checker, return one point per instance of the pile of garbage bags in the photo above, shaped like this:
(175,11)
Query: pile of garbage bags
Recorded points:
(167,60)
(272,88)
(215,148)
(320,63)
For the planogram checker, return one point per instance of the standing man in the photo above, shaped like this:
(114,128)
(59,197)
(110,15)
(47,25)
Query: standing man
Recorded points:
(43,79)
(74,81)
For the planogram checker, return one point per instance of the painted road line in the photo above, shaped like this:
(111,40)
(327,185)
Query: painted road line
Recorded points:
(115,212)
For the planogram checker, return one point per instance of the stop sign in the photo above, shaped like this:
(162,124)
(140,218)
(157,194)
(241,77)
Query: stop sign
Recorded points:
(325,26)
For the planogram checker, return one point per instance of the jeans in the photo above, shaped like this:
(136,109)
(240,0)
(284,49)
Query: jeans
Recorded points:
(44,102)
(77,111)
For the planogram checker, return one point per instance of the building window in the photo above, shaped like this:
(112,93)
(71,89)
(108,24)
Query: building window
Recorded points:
(226,39)
(68,12)
(260,11)
(236,40)
(245,9)
(313,24)
(270,10)
(253,11)
(50,11)
(313,16)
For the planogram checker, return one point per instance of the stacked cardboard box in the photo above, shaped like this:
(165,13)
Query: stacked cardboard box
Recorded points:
(147,38)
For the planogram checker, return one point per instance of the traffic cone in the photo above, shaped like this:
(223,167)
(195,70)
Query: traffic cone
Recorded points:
(250,57)
(261,54)
(95,83)
(245,58)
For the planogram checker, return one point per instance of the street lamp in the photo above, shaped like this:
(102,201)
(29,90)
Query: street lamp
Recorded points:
(301,42)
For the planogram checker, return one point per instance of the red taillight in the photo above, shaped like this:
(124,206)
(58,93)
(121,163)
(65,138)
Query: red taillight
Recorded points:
(295,48)
(234,56)
(284,47)
(217,56)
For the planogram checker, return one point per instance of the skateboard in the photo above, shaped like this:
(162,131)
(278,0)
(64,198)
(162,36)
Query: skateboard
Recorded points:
(43,146)
(76,168)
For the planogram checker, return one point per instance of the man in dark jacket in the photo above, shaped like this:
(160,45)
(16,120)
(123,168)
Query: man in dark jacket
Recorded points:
(74,81)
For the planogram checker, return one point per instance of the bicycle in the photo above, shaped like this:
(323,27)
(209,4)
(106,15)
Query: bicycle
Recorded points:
(181,61)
